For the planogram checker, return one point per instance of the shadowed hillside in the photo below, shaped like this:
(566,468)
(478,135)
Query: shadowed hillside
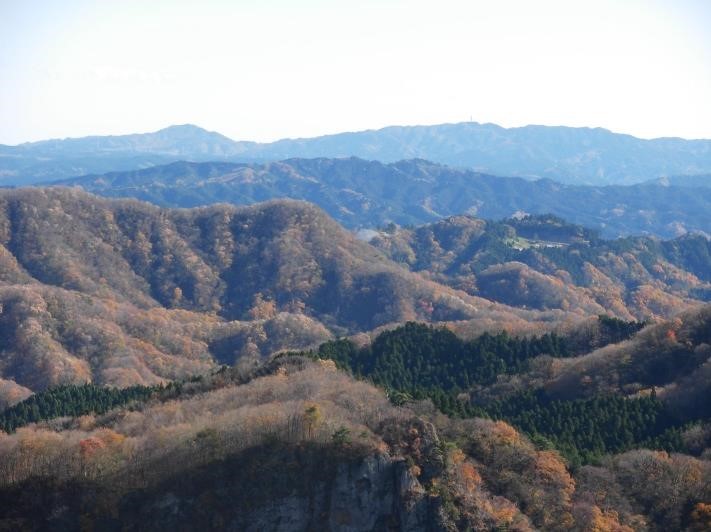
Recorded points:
(669,360)
(672,356)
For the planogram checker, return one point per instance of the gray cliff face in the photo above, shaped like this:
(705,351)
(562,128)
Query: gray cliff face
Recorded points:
(277,488)
(376,494)
(321,491)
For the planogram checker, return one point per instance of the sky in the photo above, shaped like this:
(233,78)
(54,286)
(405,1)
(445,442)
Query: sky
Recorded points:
(269,69)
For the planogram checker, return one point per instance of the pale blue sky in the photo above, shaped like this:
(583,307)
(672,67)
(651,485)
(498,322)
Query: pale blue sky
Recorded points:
(262,70)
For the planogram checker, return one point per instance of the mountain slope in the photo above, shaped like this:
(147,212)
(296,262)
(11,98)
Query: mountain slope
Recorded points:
(367,194)
(297,444)
(543,262)
(610,406)
(122,292)
(673,357)
(238,262)
(570,155)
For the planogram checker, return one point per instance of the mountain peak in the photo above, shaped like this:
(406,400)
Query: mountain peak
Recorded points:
(189,131)
(185,128)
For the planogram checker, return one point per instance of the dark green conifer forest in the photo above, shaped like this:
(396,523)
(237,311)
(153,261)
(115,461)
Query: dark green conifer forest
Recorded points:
(418,361)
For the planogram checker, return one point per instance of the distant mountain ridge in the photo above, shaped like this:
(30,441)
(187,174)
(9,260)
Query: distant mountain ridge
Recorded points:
(565,154)
(571,155)
(182,141)
(693,181)
(367,194)
(49,160)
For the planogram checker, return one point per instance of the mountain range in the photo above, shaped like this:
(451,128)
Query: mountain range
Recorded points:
(370,194)
(272,342)
(542,262)
(121,292)
(302,443)
(570,155)
(694,181)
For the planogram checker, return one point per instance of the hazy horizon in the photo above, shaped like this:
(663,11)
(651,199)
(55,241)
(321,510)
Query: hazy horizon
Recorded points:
(351,131)
(274,69)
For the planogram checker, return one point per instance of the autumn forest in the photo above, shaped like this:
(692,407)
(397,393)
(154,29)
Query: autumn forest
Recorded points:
(222,366)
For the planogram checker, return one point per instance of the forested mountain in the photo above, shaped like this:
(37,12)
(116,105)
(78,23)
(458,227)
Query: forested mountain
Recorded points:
(368,194)
(570,155)
(297,443)
(454,327)
(552,419)
(643,389)
(673,356)
(237,262)
(543,262)
(122,292)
